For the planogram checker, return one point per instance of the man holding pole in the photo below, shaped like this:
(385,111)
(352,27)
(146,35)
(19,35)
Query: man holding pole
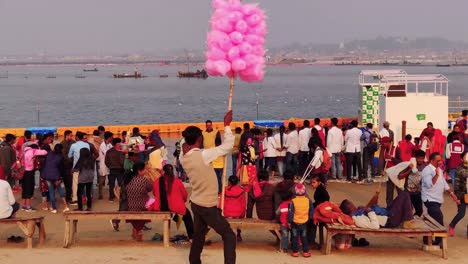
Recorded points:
(204,200)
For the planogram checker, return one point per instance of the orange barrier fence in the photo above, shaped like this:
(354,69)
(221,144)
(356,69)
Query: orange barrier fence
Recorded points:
(167,128)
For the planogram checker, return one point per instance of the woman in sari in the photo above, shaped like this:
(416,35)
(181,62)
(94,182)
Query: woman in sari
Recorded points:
(137,189)
(246,166)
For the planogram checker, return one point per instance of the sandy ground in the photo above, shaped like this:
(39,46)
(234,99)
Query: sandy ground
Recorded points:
(98,243)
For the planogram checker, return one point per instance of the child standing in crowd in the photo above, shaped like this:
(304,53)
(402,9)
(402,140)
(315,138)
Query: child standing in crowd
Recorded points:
(86,168)
(283,213)
(247,169)
(234,202)
(301,210)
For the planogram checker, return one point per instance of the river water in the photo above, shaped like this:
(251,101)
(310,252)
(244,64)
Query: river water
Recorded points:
(287,91)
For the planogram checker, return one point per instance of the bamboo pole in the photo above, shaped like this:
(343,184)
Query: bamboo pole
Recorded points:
(223,190)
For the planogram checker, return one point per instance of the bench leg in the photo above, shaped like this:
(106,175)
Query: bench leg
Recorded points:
(42,233)
(321,234)
(278,234)
(31,225)
(75,228)
(66,234)
(444,248)
(166,232)
(328,243)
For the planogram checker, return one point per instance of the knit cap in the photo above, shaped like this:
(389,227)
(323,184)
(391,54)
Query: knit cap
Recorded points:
(300,189)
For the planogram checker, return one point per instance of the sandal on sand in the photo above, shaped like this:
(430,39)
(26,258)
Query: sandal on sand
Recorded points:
(15,239)
(157,237)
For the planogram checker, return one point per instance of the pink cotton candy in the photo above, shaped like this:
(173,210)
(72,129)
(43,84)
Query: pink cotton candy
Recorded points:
(241,26)
(222,67)
(216,36)
(253,20)
(219,39)
(249,9)
(235,16)
(245,48)
(235,44)
(211,68)
(233,53)
(252,74)
(236,37)
(254,39)
(215,53)
(222,24)
(234,5)
(251,60)
(218,4)
(238,65)
(258,51)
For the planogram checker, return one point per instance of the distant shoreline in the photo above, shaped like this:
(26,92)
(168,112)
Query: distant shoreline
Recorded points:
(198,63)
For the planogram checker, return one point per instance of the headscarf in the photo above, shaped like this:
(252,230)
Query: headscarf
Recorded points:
(155,139)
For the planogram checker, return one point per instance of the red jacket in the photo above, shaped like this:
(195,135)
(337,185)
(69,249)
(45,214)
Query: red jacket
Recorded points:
(406,150)
(234,202)
(284,212)
(176,198)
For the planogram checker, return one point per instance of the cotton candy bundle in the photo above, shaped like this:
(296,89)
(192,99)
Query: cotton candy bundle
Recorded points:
(235,43)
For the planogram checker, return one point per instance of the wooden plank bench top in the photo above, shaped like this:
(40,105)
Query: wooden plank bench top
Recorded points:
(28,226)
(433,229)
(74,216)
(251,223)
(121,215)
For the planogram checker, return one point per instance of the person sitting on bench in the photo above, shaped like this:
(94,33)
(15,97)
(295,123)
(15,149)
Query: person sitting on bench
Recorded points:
(372,216)
(8,204)
(8,207)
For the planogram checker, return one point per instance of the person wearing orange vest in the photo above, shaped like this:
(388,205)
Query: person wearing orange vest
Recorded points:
(427,145)
(212,139)
(301,210)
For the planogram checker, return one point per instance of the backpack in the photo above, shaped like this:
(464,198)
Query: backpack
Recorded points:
(373,145)
(326,161)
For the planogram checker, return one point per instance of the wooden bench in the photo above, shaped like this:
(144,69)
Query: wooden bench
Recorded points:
(28,226)
(72,217)
(433,230)
(252,224)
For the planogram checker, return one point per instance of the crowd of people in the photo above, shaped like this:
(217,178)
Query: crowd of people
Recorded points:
(136,166)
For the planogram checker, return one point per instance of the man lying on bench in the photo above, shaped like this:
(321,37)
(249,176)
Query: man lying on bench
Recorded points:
(372,216)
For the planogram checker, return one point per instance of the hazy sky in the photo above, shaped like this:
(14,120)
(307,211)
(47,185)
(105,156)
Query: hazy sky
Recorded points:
(110,26)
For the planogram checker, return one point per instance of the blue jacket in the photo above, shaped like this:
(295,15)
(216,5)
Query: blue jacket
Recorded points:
(53,166)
